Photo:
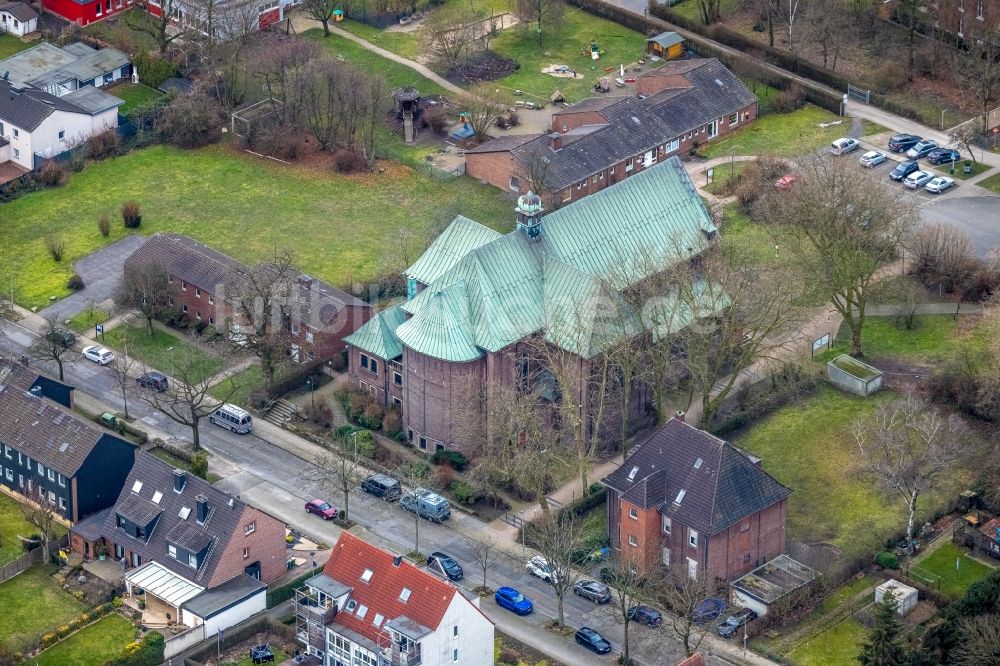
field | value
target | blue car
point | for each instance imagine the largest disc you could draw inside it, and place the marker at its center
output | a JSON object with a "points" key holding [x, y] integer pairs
{"points": [[708, 610], [943, 156], [514, 601]]}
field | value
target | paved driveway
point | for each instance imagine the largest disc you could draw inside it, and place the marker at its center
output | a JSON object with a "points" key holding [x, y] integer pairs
{"points": [[102, 274], [977, 216]]}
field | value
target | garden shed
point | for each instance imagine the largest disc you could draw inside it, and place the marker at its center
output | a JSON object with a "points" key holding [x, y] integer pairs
{"points": [[851, 375], [905, 595], [666, 45], [770, 583]]}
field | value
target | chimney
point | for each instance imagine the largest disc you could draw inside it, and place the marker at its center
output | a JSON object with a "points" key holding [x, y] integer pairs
{"points": [[201, 502], [679, 415], [180, 480], [396, 561], [555, 141]]}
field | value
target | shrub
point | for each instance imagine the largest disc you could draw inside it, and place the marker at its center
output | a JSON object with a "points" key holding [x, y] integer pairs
{"points": [[147, 651], [455, 459], [443, 476], [435, 119], [365, 443], [508, 656], [78, 595], [349, 161], [790, 99], [283, 142], [464, 493], [131, 215], [392, 422], [52, 174], [153, 71], [84, 618], [199, 464], [48, 639], [104, 145], [889, 76], [63, 630], [191, 121], [104, 225], [56, 247], [887, 560], [75, 282]]}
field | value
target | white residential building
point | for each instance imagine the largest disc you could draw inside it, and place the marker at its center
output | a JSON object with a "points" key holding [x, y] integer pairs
{"points": [[17, 18]]}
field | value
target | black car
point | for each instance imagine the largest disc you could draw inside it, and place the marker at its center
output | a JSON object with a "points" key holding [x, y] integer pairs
{"points": [[900, 143], [646, 615], [728, 628], [382, 485], [592, 640], [445, 565], [591, 589], [153, 380], [943, 156], [61, 336], [904, 169]]}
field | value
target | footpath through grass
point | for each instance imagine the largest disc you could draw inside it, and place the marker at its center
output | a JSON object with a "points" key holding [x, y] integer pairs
{"points": [[337, 226], [162, 350], [939, 570], [781, 134], [92, 646], [34, 604]]}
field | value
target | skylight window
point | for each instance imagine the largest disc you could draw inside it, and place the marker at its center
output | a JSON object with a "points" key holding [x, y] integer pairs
{"points": [[157, 496], [362, 611], [697, 463], [137, 486], [184, 512], [680, 496], [636, 120], [63, 447], [378, 620], [631, 475], [367, 575], [719, 82], [404, 595]]}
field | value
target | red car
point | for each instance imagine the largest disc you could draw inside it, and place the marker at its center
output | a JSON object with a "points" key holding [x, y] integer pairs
{"points": [[785, 182], [322, 509]]}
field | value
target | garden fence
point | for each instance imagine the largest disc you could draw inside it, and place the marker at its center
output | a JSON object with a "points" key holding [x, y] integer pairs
{"points": [[30, 559]]}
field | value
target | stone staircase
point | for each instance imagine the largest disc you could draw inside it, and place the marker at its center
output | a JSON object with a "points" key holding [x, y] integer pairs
{"points": [[280, 412]]}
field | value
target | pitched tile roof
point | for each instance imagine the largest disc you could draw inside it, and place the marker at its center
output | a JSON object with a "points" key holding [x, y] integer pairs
{"points": [[19, 10], [428, 600], [697, 478], [28, 108], [506, 142]]}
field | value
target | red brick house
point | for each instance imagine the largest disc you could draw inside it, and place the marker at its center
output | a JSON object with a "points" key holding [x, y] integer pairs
{"points": [[687, 498], [602, 140], [319, 316]]}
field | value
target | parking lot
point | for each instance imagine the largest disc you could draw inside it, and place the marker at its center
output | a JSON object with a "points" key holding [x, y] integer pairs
{"points": [[921, 195]]}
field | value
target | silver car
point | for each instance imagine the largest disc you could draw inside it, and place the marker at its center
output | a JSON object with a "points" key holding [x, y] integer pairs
{"points": [[844, 146], [98, 354], [872, 158], [939, 184], [917, 179]]}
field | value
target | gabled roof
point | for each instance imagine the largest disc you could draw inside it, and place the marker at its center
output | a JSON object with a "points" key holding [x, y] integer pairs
{"points": [[19, 10], [699, 479], [457, 240], [503, 143], [443, 329], [28, 108], [425, 605], [378, 335], [666, 39]]}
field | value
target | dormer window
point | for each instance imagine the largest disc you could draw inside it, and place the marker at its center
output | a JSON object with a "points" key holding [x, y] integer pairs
{"points": [[193, 561], [367, 575], [172, 551], [698, 463], [404, 595]]}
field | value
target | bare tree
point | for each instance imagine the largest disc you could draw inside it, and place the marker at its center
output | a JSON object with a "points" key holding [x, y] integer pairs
{"points": [[710, 11], [978, 72], [536, 170], [980, 641], [908, 447], [146, 288], [158, 23], [543, 15], [483, 555], [40, 513], [851, 226], [559, 538], [827, 29], [629, 587], [450, 40], [964, 138], [681, 593], [336, 472], [790, 16], [942, 254], [483, 105], [124, 368], [51, 346], [412, 476], [322, 11]]}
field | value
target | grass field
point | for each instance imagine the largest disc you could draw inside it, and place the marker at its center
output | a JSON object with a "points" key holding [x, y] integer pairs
{"points": [[782, 135], [977, 168], [337, 225], [939, 567], [237, 387], [9, 45], [33, 603], [118, 32], [992, 183], [407, 44], [12, 524], [85, 320], [837, 646], [91, 646], [161, 350], [933, 339], [134, 94]]}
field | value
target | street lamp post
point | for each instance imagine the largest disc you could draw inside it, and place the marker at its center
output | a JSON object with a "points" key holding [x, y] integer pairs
{"points": [[312, 393]]}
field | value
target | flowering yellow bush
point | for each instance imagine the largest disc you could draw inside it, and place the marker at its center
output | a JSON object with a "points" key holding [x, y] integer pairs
{"points": [[84, 618], [63, 630], [48, 639], [132, 648]]}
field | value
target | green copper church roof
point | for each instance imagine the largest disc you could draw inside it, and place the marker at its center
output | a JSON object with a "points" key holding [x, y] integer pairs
{"points": [[378, 335], [461, 236], [442, 330]]}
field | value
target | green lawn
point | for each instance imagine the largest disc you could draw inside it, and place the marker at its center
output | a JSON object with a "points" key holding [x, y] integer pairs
{"points": [[12, 524], [91, 646], [396, 74], [238, 386], [86, 320], [757, 241], [933, 339], [977, 168], [179, 463], [846, 592], [837, 646], [134, 94], [992, 183], [9, 45], [869, 128], [407, 44], [723, 174], [160, 350], [336, 225], [940, 565], [781, 134], [33, 604], [117, 31]]}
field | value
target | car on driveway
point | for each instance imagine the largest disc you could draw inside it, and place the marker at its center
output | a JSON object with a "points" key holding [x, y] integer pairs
{"points": [[61, 336], [943, 156], [903, 170], [939, 184], [900, 143], [98, 354], [844, 146], [646, 615], [921, 149], [708, 609], [918, 179], [872, 158], [592, 640], [154, 380], [729, 626], [539, 566], [785, 182], [322, 509], [445, 564], [599, 593], [514, 601]]}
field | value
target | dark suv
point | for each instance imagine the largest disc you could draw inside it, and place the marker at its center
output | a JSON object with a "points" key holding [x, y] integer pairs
{"points": [[592, 640], [446, 565], [61, 336], [154, 380], [900, 143], [903, 170], [382, 485]]}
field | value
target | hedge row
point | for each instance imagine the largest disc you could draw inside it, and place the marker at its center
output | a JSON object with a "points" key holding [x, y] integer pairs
{"points": [[147, 651], [282, 593]]}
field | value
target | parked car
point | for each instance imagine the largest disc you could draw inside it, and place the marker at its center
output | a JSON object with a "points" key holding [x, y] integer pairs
{"points": [[539, 566], [785, 182], [708, 609], [646, 615], [98, 354], [152, 380], [921, 149], [943, 156], [939, 184], [427, 505], [918, 179], [382, 485], [900, 143], [844, 146], [514, 601], [872, 158], [599, 593], [445, 565], [322, 509], [903, 170], [728, 627], [62, 337], [592, 640]]}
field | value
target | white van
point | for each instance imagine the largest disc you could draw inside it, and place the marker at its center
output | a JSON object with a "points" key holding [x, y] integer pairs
{"points": [[232, 418]]}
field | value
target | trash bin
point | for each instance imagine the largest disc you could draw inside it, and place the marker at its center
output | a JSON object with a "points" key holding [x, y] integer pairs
{"points": [[109, 420]]}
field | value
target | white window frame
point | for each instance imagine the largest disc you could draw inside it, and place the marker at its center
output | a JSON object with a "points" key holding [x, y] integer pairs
{"points": [[632, 541], [673, 146], [629, 164], [692, 538], [172, 551], [667, 524], [633, 513], [665, 556], [250, 528]]}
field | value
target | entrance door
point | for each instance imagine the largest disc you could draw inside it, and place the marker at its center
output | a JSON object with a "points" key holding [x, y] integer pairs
{"points": [[692, 568], [713, 129], [253, 570]]}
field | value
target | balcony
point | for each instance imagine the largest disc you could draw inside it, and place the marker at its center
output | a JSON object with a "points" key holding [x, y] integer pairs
{"points": [[311, 619]]}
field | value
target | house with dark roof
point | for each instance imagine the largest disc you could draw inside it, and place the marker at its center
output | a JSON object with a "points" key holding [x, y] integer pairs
{"points": [[17, 18], [48, 454], [688, 499], [600, 141], [479, 302], [317, 315], [371, 606]]}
